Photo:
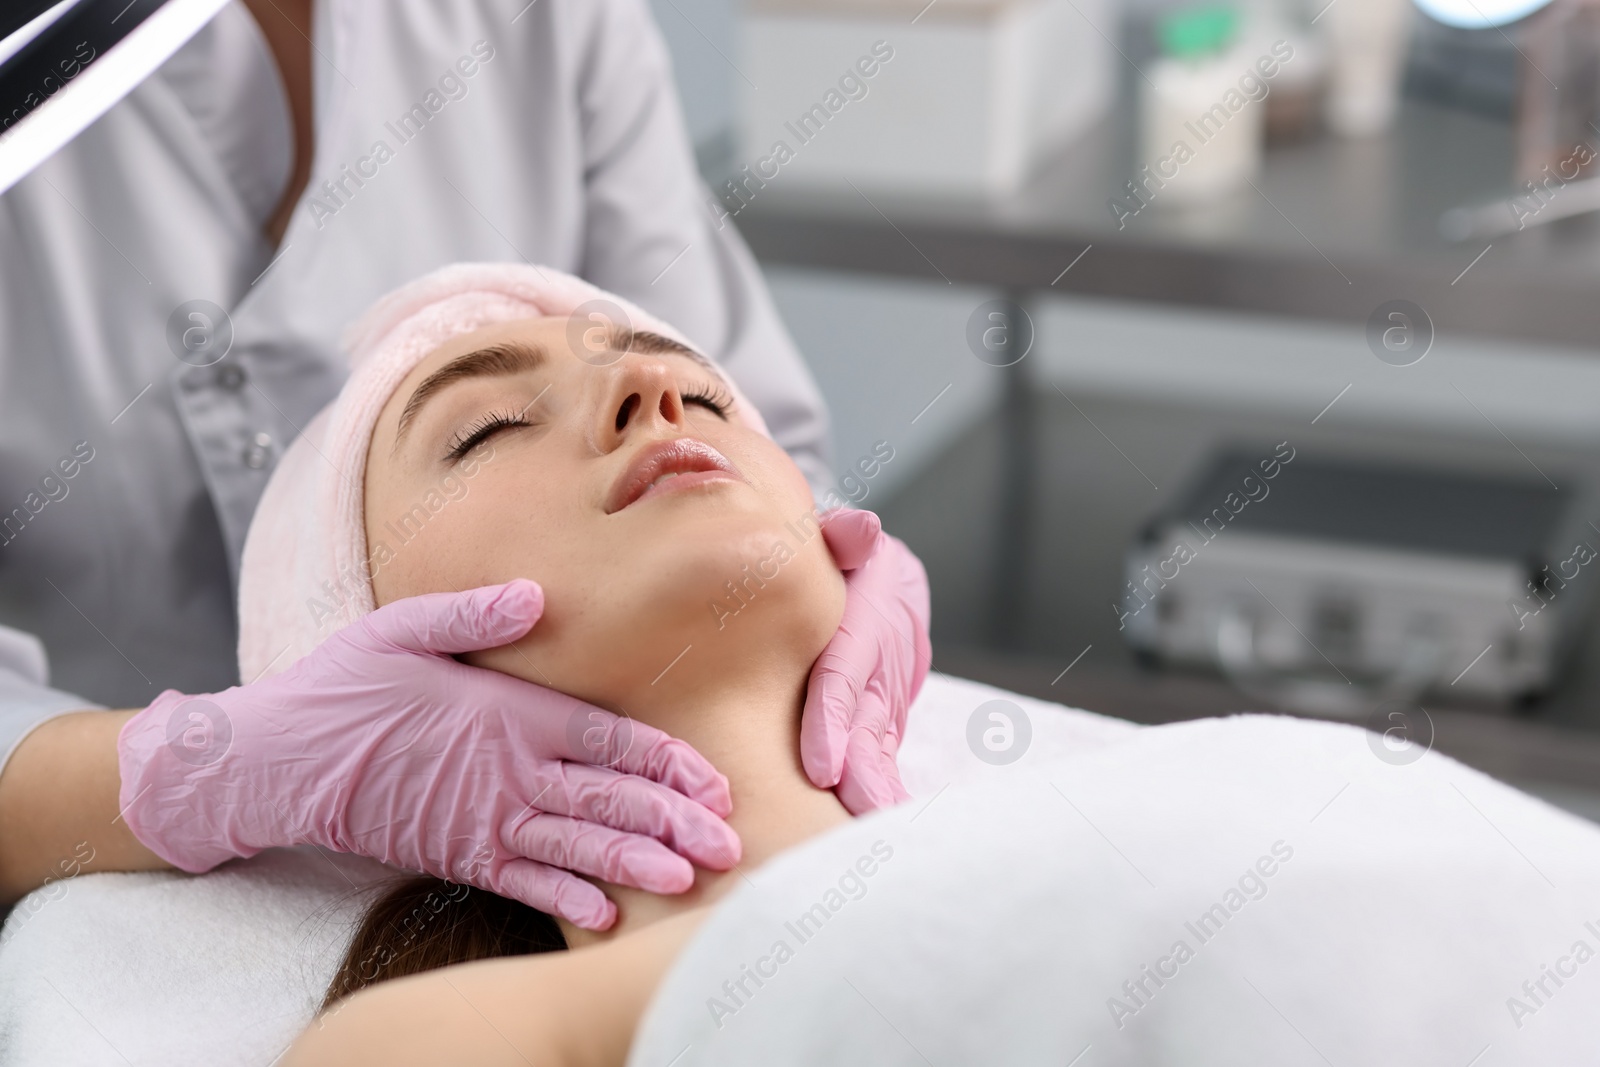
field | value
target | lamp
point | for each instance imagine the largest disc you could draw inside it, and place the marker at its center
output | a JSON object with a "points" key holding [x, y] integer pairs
{"points": [[64, 64], [1478, 14]]}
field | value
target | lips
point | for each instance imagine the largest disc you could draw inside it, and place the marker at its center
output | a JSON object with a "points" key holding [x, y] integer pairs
{"points": [[669, 466]]}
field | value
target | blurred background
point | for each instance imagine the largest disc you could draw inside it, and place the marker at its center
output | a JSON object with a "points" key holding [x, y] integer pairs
{"points": [[1309, 289]]}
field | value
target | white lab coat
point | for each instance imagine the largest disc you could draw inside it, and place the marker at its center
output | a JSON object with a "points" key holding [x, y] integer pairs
{"points": [[563, 145]]}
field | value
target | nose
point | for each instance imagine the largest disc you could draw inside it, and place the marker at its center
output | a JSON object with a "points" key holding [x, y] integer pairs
{"points": [[641, 394]]}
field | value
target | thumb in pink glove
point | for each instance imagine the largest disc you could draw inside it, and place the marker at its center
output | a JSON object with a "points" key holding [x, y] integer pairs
{"points": [[379, 743], [865, 680]]}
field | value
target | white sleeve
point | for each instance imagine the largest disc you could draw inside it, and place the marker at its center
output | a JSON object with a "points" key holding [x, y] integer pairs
{"points": [[652, 236], [26, 699]]}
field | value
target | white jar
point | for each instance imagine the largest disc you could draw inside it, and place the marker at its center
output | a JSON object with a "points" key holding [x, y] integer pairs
{"points": [[1202, 126]]}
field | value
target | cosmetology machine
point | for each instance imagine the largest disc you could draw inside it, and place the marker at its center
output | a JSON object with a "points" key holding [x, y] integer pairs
{"points": [[1328, 585]]}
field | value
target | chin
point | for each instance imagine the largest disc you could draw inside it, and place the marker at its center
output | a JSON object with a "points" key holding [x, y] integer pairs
{"points": [[699, 554], [734, 574], [612, 650]]}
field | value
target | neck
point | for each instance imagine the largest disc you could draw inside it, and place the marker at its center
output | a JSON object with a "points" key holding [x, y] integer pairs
{"points": [[286, 24], [751, 733]]}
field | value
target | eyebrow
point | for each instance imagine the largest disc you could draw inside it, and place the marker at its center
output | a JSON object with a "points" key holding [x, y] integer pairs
{"points": [[500, 360], [646, 343], [514, 357]]}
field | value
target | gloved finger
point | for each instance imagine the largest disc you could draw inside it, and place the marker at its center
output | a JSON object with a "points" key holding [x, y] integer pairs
{"points": [[891, 743], [603, 853], [631, 747], [852, 536], [824, 722], [555, 892], [446, 624], [910, 589], [871, 780], [833, 699], [636, 805]]}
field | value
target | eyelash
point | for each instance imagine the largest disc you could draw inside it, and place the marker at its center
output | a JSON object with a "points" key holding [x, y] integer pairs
{"points": [[480, 432], [716, 399]]}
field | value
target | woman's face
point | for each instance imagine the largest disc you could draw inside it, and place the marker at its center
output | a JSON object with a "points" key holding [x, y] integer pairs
{"points": [[624, 483]]}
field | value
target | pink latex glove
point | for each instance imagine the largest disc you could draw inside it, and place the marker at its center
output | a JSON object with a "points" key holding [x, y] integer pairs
{"points": [[379, 743], [871, 671]]}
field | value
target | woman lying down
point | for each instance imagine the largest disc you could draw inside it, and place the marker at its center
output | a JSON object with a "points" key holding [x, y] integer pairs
{"points": [[687, 587], [1228, 891]]}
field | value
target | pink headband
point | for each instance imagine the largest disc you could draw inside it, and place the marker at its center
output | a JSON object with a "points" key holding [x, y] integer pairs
{"points": [[305, 571]]}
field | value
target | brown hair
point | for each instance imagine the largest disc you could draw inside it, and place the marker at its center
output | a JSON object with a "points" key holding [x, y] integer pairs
{"points": [[424, 923]]}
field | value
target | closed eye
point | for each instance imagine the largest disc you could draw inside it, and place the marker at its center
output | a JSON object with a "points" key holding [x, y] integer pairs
{"points": [[713, 398], [481, 431]]}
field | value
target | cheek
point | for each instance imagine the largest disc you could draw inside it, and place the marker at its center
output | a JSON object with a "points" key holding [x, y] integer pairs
{"points": [[825, 588], [812, 577], [501, 528], [770, 470]]}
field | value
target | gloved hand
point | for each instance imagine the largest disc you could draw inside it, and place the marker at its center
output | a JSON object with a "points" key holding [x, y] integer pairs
{"points": [[379, 743], [871, 671]]}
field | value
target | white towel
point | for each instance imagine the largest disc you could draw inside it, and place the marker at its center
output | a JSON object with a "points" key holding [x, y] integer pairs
{"points": [[226, 968], [167, 968], [1254, 890]]}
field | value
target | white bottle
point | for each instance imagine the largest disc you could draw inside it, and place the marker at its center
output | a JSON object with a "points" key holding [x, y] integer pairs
{"points": [[1367, 44]]}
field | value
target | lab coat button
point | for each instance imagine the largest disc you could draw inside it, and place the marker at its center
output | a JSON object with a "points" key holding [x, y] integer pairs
{"points": [[258, 452]]}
